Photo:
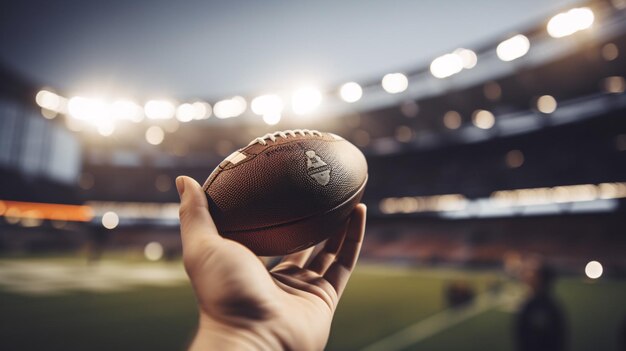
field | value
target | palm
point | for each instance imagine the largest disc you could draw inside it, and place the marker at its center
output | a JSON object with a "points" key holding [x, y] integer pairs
{"points": [[298, 296]]}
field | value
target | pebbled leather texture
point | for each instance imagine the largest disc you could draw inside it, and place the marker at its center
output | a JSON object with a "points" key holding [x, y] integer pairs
{"points": [[287, 195]]}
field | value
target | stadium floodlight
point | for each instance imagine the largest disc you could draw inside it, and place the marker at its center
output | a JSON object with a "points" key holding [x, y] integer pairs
{"points": [[229, 108], [269, 104], [202, 110], [305, 100], [446, 65], [105, 127], [48, 100], [395, 83], [185, 112], [87, 109], [513, 48], [126, 110], [570, 22], [351, 92], [159, 109], [467, 56], [271, 118]]}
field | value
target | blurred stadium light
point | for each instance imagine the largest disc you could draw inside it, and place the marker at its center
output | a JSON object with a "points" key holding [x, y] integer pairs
{"points": [[395, 83], [570, 22], [593, 269], [229, 108], [351, 92], [305, 100], [513, 48]]}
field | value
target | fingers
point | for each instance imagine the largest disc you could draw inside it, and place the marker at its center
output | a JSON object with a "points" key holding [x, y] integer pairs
{"points": [[326, 256], [297, 259], [339, 272], [196, 224]]}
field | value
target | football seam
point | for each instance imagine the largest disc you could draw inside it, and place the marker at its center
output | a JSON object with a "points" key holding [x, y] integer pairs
{"points": [[356, 193]]}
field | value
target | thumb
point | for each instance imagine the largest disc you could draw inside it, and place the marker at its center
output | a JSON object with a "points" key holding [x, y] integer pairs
{"points": [[196, 224]]}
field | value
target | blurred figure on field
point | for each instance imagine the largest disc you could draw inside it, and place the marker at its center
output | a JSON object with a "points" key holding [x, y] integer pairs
{"points": [[459, 293], [540, 323]]}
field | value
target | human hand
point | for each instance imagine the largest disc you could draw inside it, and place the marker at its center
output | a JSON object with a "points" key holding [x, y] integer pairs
{"points": [[241, 304]]}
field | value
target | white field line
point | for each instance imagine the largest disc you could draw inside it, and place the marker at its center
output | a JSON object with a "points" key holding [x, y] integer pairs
{"points": [[436, 323], [54, 278]]}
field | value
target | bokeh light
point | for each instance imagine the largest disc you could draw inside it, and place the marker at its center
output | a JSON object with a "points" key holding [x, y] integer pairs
{"points": [[305, 100], [153, 251], [609, 52], [395, 83], [594, 269], [483, 119], [48, 100], [514, 159], [351, 92], [546, 104], [409, 108], [446, 65], [570, 22], [229, 108], [513, 48], [110, 220], [269, 104], [159, 109], [48, 114], [403, 134], [12, 215], [87, 109], [202, 110], [155, 135], [163, 183], [105, 127], [127, 110], [467, 56], [452, 120], [492, 91], [185, 112], [271, 118], [614, 84]]}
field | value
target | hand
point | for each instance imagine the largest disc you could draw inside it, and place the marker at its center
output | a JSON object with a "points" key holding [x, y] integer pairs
{"points": [[241, 304]]}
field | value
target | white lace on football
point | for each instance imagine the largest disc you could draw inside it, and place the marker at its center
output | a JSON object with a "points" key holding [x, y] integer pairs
{"points": [[284, 134]]}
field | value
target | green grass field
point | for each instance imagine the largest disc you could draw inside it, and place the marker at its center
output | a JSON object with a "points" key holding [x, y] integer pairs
{"points": [[378, 302]]}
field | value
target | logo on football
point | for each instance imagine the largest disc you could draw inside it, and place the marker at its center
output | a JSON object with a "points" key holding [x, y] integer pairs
{"points": [[316, 168]]}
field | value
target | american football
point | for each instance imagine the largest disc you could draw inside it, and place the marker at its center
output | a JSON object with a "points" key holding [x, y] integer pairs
{"points": [[286, 191]]}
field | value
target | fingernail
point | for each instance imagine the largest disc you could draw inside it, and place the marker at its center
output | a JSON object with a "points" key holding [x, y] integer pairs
{"points": [[180, 185]]}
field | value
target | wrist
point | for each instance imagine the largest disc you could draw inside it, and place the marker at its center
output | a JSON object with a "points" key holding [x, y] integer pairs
{"points": [[213, 335]]}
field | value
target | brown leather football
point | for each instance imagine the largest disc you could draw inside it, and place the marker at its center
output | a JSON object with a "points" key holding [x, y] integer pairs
{"points": [[286, 191]]}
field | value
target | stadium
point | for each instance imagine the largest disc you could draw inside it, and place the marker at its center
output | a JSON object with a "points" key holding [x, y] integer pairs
{"points": [[494, 133]]}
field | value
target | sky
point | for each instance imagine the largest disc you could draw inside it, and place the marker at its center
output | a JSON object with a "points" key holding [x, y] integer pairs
{"points": [[210, 49]]}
